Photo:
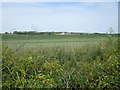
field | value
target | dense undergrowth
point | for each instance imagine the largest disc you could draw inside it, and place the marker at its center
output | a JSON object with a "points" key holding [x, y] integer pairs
{"points": [[60, 67]]}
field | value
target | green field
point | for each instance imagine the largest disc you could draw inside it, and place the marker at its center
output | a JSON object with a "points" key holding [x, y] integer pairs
{"points": [[43, 41], [60, 61]]}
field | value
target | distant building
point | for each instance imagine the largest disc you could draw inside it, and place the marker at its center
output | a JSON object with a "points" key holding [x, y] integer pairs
{"points": [[23, 30], [62, 33]]}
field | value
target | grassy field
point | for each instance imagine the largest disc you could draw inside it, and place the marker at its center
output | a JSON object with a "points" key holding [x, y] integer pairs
{"points": [[42, 41], [60, 61]]}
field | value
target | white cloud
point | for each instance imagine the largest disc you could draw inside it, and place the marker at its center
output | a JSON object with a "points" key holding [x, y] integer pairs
{"points": [[62, 18]]}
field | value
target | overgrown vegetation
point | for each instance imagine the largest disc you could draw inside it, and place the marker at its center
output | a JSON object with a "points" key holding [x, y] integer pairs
{"points": [[95, 66]]}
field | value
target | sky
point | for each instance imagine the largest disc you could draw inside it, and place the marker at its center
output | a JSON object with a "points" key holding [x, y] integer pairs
{"points": [[59, 0], [89, 17]]}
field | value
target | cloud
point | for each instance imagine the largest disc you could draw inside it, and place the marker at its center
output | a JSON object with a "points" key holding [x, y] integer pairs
{"points": [[79, 17]]}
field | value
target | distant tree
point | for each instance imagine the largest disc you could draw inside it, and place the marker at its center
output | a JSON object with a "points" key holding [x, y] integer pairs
{"points": [[110, 30], [6, 33], [15, 32]]}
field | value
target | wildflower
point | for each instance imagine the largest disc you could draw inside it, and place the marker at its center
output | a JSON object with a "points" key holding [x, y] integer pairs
{"points": [[30, 57]]}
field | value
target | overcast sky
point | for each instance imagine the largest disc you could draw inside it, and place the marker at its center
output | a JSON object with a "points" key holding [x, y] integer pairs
{"points": [[60, 16]]}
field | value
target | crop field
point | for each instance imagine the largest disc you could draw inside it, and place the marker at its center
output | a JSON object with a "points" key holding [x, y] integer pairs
{"points": [[60, 61], [42, 41]]}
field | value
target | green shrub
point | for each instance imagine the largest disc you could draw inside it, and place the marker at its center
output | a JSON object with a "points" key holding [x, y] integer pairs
{"points": [[88, 67]]}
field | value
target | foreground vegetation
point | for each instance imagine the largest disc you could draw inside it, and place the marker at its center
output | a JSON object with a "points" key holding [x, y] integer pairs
{"points": [[93, 66]]}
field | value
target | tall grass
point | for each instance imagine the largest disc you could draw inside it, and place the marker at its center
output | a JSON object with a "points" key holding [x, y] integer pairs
{"points": [[91, 66]]}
